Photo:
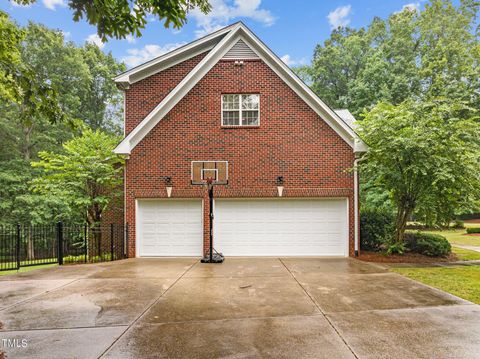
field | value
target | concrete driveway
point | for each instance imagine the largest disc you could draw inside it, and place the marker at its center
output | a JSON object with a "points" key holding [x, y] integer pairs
{"points": [[243, 308]]}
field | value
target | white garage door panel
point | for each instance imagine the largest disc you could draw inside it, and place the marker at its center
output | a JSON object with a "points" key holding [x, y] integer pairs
{"points": [[281, 227], [169, 228]]}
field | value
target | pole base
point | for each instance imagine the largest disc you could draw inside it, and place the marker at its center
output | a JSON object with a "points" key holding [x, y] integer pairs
{"points": [[216, 258]]}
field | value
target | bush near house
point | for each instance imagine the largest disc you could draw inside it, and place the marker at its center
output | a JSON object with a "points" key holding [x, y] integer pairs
{"points": [[432, 245], [376, 228], [472, 230]]}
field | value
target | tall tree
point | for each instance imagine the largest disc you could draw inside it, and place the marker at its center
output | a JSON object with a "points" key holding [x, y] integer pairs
{"points": [[54, 80], [411, 55], [422, 153], [102, 103], [118, 18]]}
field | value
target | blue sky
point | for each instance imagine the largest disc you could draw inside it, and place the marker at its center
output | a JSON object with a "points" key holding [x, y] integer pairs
{"points": [[290, 29]]}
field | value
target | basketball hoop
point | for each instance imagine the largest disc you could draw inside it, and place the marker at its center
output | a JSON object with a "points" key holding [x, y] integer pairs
{"points": [[208, 183]]}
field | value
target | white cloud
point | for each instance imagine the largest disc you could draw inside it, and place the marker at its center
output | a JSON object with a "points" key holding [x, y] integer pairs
{"points": [[66, 34], [95, 39], [130, 39], [222, 13], [340, 16], [292, 62], [51, 4], [414, 6], [136, 57]]}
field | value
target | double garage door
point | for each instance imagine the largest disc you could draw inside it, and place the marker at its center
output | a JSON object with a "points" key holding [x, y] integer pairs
{"points": [[260, 227]]}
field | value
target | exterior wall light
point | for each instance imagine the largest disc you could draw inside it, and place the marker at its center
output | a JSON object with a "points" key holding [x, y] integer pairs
{"points": [[168, 185], [280, 186]]}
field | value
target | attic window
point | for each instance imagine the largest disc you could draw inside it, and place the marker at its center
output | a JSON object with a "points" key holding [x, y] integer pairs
{"points": [[241, 110]]}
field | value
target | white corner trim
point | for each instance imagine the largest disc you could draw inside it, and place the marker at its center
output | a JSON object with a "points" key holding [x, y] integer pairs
{"points": [[236, 32]]}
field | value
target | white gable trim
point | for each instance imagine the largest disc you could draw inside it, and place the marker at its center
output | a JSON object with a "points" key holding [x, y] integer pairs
{"points": [[236, 32], [171, 58], [149, 122]]}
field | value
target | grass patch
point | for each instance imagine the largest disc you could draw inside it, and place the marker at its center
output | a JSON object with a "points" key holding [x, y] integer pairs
{"points": [[457, 236], [464, 282], [26, 269], [466, 254]]}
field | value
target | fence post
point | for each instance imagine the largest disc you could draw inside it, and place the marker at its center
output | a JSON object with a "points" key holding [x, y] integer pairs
{"points": [[60, 242], [126, 241], [111, 241], [18, 245], [85, 242]]}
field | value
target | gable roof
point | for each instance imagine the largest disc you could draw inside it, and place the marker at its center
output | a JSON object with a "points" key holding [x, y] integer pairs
{"points": [[224, 40]]}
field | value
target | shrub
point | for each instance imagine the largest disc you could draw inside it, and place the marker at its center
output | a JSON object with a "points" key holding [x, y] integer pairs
{"points": [[395, 248], [458, 224], [376, 227], [473, 230], [432, 245]]}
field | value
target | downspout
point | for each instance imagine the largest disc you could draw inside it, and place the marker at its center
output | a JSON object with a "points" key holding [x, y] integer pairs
{"points": [[356, 204]]}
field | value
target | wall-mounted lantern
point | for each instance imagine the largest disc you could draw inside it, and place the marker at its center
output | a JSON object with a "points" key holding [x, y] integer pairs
{"points": [[280, 187], [168, 185]]}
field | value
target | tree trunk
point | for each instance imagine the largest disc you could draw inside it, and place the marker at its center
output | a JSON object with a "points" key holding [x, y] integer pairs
{"points": [[404, 211], [27, 142], [30, 246]]}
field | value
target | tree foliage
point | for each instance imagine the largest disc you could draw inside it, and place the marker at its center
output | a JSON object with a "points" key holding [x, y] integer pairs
{"points": [[117, 18], [85, 177], [423, 154], [55, 88], [411, 54]]}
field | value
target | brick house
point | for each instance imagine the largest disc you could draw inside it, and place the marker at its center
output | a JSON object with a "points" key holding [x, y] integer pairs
{"points": [[226, 107]]}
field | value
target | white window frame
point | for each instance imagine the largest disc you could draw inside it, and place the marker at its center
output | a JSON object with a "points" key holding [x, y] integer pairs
{"points": [[240, 110]]}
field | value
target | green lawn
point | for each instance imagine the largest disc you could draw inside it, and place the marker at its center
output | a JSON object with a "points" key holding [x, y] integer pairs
{"points": [[457, 236], [466, 254], [27, 269], [463, 282]]}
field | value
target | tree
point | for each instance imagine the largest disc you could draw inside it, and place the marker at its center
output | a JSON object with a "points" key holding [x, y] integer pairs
{"points": [[80, 81], [11, 37], [411, 55], [423, 153], [101, 105], [119, 18], [86, 176]]}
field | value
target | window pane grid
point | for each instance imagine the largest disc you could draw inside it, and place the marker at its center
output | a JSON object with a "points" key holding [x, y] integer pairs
{"points": [[241, 110]]}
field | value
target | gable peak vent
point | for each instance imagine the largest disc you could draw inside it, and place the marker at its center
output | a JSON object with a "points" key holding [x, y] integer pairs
{"points": [[240, 51]]}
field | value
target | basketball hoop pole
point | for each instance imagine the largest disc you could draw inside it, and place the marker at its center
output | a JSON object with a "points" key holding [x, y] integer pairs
{"points": [[217, 258]]}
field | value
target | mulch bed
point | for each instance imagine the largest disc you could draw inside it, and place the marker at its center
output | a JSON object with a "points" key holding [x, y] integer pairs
{"points": [[471, 234], [406, 258], [475, 220]]}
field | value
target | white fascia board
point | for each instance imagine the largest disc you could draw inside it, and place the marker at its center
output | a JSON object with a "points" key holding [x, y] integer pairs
{"points": [[172, 58], [305, 93], [183, 87]]}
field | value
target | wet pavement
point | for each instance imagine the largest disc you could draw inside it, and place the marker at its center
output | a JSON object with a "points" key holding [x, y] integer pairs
{"points": [[243, 308]]}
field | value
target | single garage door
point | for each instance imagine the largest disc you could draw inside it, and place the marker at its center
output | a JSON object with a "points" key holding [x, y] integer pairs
{"points": [[281, 227], [169, 228]]}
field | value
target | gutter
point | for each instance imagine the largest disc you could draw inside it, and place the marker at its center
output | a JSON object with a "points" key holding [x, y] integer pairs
{"points": [[356, 203]]}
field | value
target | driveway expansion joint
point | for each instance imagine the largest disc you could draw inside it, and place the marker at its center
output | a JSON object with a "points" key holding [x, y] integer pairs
{"points": [[321, 311], [146, 309], [39, 294]]}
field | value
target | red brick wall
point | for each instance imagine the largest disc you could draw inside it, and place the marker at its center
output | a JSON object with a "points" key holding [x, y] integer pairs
{"points": [[292, 141], [143, 96]]}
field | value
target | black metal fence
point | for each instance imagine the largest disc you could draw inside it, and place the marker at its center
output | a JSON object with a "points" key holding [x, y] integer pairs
{"points": [[22, 246]]}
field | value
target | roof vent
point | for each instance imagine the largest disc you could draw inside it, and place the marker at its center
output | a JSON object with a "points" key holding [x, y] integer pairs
{"points": [[240, 51]]}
